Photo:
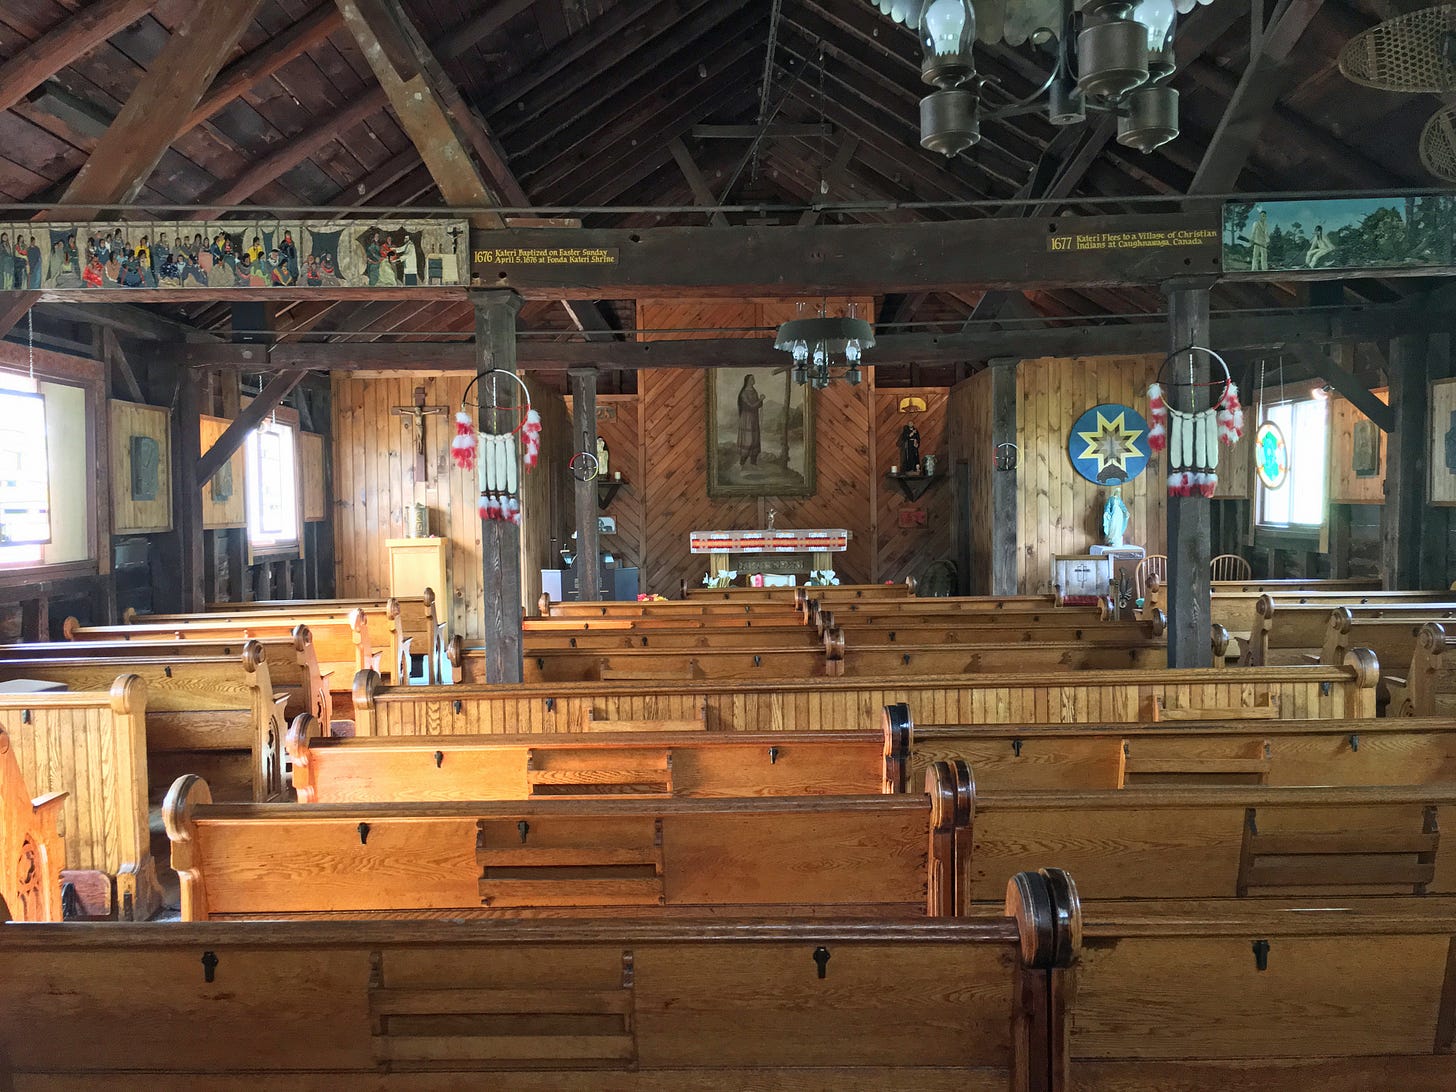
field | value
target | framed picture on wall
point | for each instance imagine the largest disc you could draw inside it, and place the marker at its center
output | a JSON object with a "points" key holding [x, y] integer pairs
{"points": [[760, 434]]}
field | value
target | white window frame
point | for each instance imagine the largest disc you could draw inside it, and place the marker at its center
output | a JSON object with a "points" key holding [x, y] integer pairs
{"points": [[262, 543], [1305, 471]]}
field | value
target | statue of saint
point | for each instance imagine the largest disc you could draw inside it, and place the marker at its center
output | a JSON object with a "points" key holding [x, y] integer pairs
{"points": [[909, 450], [1114, 518], [602, 458]]}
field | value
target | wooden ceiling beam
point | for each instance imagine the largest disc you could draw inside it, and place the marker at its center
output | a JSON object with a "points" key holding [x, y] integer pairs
{"points": [[252, 415], [247, 72], [696, 182], [1069, 339], [175, 82], [13, 308], [65, 44], [1265, 79]]}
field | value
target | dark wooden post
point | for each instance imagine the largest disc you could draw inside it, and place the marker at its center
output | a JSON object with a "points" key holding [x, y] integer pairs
{"points": [[1407, 452], [1004, 515], [495, 347], [1190, 531], [584, 434], [1339, 541], [187, 489]]}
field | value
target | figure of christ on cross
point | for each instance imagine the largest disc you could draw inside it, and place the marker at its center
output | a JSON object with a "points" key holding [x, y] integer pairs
{"points": [[417, 414]]}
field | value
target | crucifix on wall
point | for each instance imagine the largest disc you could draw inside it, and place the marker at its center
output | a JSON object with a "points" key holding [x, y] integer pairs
{"points": [[416, 414]]}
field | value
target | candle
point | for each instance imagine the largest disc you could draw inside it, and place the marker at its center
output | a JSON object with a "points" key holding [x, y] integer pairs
{"points": [[894, 470], [617, 475]]}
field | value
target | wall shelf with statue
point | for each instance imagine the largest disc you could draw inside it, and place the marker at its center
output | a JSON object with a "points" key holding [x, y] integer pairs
{"points": [[914, 486], [607, 491]]}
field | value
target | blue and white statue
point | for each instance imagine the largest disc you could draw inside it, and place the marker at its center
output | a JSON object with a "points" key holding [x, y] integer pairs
{"points": [[1115, 518]]}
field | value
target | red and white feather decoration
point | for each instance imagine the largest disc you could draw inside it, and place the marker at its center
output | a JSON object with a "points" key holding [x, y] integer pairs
{"points": [[1192, 439]]}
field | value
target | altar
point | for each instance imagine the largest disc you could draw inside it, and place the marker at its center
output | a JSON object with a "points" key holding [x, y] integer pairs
{"points": [[770, 552]]}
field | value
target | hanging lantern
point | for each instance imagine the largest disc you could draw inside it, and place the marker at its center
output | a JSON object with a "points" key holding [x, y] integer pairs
{"points": [[950, 116]]}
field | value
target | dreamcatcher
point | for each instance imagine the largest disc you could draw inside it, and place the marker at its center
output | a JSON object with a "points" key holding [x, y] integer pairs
{"points": [[1189, 422], [492, 450]]}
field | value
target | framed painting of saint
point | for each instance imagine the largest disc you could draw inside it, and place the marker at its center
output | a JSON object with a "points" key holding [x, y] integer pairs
{"points": [[760, 434]]}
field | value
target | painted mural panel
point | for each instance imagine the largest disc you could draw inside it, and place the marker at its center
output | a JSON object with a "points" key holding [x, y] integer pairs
{"points": [[1359, 233], [267, 253]]}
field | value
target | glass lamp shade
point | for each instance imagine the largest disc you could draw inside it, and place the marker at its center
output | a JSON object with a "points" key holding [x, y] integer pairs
{"points": [[1158, 17], [948, 35]]}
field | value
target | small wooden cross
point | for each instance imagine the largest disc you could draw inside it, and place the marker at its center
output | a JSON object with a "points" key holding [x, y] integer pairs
{"points": [[417, 414]]}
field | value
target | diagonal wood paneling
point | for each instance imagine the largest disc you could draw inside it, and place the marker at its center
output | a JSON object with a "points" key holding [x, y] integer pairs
{"points": [[906, 552]]}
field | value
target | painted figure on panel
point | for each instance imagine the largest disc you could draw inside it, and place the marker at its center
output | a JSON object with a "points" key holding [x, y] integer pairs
{"points": [[760, 435]]}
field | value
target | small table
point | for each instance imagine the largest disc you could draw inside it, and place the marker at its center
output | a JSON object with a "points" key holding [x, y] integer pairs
{"points": [[769, 551]]}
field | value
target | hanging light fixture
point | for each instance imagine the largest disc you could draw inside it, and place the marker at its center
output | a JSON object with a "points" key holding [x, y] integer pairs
{"points": [[824, 346], [1113, 56]]}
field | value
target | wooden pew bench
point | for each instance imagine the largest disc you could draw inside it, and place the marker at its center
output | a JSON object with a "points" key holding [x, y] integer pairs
{"points": [[292, 663], [1289, 632], [32, 855], [799, 592], [1000, 631], [346, 639], [92, 747], [862, 856], [1276, 753], [559, 640], [217, 715], [1219, 842], [1267, 995], [784, 612], [1312, 692], [1236, 598], [588, 764], [547, 1006], [1429, 688], [416, 619], [925, 612]]}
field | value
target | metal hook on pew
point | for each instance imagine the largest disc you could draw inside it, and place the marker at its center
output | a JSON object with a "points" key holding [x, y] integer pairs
{"points": [[439, 759], [821, 957], [1261, 955], [1016, 747], [1354, 741], [209, 966], [459, 705], [363, 829], [523, 828], [550, 705], [773, 755]]}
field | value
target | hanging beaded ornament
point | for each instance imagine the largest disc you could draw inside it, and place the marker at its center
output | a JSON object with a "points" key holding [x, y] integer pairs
{"points": [[1189, 422], [492, 451]]}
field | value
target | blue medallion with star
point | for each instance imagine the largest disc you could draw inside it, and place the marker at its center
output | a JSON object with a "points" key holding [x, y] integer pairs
{"points": [[1109, 444]]}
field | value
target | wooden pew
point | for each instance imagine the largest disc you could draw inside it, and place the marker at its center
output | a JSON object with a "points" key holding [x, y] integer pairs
{"points": [[32, 854], [1289, 631], [347, 640], [91, 746], [1219, 842], [1429, 689], [562, 640], [292, 663], [1267, 995], [676, 608], [416, 619], [550, 1006], [217, 714], [862, 856], [1238, 612], [1312, 692], [1156, 597], [442, 768], [1004, 632], [1275, 753], [929, 612]]}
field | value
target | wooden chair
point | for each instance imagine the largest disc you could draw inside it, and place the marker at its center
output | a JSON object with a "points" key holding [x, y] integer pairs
{"points": [[1230, 567], [1152, 567]]}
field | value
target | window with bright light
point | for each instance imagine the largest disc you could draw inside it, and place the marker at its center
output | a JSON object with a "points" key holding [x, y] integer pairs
{"points": [[25, 517], [272, 482], [1300, 501]]}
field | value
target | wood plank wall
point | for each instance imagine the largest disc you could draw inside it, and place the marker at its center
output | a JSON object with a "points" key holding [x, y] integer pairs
{"points": [[1345, 487], [1061, 511], [619, 425], [968, 442], [668, 495], [374, 485], [908, 551]]}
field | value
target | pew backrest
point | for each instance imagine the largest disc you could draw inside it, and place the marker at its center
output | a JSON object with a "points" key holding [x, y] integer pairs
{"points": [[1432, 675], [1312, 692], [583, 765], [91, 746], [568, 1006], [32, 854], [893, 855], [1285, 624]]}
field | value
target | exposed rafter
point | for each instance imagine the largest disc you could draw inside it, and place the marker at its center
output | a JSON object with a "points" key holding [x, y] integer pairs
{"points": [[68, 42]]}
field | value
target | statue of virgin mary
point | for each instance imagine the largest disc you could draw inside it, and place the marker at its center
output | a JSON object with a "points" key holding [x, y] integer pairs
{"points": [[1114, 518]]}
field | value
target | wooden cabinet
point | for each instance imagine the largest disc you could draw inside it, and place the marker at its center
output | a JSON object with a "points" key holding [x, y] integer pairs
{"points": [[416, 564]]}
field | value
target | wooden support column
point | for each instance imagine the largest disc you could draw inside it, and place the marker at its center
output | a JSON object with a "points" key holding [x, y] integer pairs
{"points": [[1339, 541], [1435, 522], [1407, 451], [584, 434], [1189, 518], [1004, 514], [495, 347], [187, 489]]}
